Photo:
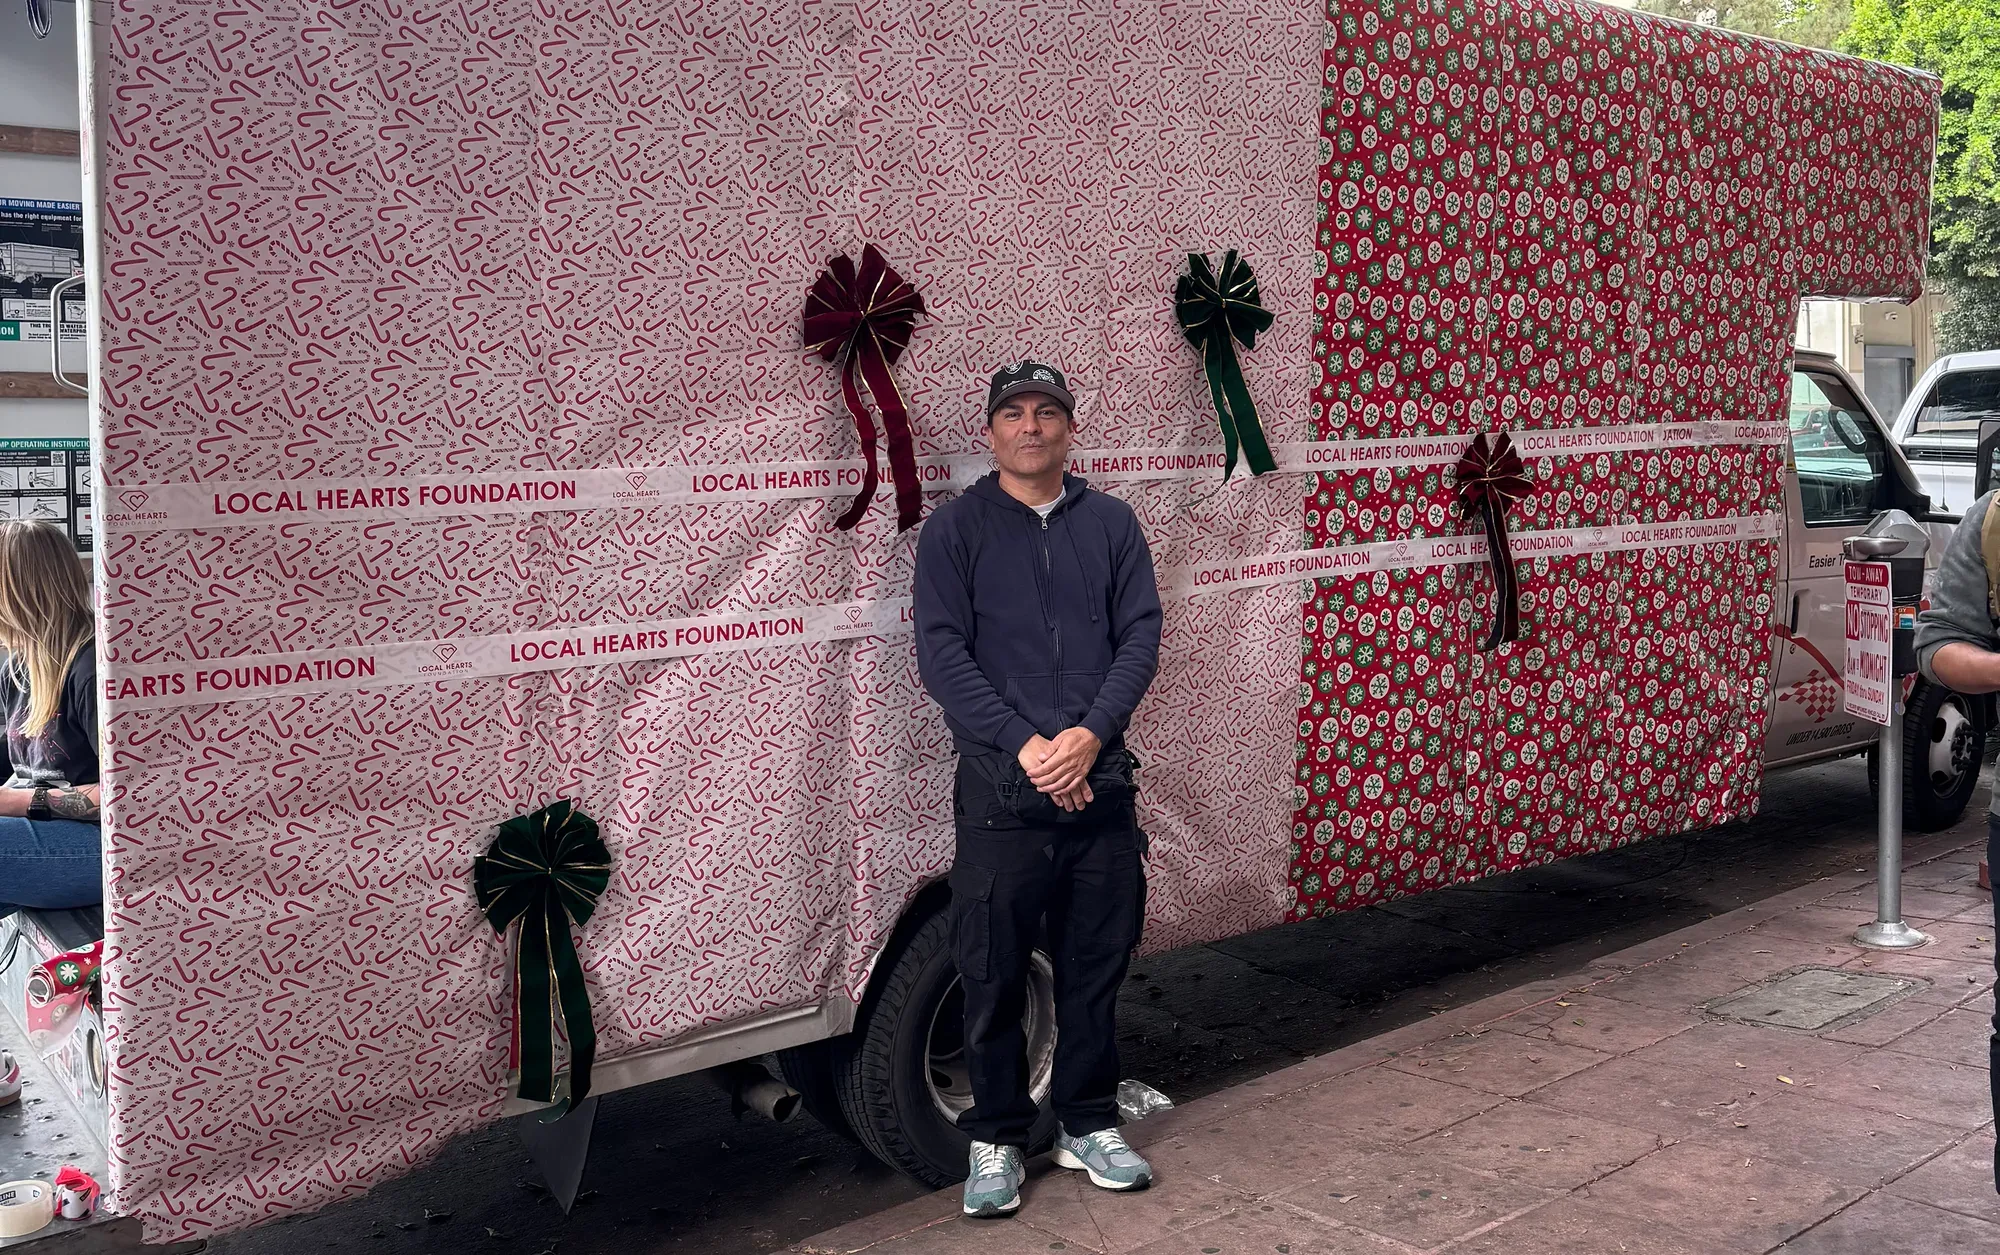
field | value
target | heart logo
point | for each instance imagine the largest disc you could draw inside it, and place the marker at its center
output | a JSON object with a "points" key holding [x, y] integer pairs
{"points": [[444, 652], [637, 479], [133, 499], [853, 615]]}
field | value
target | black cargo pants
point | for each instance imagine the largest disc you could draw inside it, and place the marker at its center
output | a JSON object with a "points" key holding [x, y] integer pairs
{"points": [[1019, 863]]}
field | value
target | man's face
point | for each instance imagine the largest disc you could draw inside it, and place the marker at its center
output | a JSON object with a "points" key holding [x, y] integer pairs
{"points": [[1030, 434]]}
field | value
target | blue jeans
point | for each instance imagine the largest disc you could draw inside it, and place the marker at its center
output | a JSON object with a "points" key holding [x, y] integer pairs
{"points": [[50, 864]]}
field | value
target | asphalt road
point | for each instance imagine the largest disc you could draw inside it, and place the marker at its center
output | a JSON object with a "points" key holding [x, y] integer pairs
{"points": [[670, 1170]]}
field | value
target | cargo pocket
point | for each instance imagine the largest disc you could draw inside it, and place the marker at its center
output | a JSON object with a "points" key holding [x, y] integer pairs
{"points": [[971, 920], [1106, 919]]}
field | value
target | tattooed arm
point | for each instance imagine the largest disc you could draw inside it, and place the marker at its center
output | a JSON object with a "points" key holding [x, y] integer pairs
{"points": [[80, 804]]}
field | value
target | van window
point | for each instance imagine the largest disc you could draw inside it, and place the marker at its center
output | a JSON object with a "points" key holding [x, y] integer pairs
{"points": [[1956, 403], [1837, 450]]}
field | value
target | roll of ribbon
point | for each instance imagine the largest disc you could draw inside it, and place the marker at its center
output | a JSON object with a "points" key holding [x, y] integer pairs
{"points": [[76, 1193], [25, 1207]]}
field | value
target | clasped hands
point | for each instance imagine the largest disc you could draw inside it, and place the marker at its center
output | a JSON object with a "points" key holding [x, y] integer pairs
{"points": [[1060, 767]]}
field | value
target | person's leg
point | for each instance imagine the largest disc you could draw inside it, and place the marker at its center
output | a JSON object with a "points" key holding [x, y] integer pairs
{"points": [[49, 864], [1094, 920], [1993, 1043], [999, 882]]}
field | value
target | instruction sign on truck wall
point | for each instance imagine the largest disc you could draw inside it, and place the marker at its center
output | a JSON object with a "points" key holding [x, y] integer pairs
{"points": [[41, 244], [49, 481], [1871, 621]]}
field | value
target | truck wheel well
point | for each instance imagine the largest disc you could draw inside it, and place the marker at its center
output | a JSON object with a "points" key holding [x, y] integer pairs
{"points": [[933, 897]]}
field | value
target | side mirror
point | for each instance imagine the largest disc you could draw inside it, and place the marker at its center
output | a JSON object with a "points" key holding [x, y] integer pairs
{"points": [[1989, 448]]}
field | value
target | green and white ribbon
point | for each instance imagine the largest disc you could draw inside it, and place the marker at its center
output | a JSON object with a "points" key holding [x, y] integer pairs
{"points": [[1216, 312], [546, 870]]}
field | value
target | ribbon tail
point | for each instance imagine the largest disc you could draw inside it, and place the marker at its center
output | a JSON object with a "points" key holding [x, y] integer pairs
{"points": [[896, 422], [537, 1029], [1506, 586], [1256, 450], [573, 996], [1215, 362], [864, 427]]}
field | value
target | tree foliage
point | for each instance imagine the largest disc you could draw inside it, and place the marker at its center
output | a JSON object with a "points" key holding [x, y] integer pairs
{"points": [[1959, 41], [1971, 318], [1814, 23]]}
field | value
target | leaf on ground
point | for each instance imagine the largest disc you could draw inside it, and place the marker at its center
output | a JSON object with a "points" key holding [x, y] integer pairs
{"points": [[1786, 1079]]}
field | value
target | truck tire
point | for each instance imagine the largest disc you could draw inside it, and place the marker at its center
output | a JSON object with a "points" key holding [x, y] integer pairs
{"points": [[1944, 743], [904, 1081]]}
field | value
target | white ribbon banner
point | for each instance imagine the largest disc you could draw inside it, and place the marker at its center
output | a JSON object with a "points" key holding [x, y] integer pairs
{"points": [[153, 685], [138, 508]]}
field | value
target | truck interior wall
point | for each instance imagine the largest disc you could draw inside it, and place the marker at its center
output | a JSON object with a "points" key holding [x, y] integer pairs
{"points": [[40, 75], [355, 250]]}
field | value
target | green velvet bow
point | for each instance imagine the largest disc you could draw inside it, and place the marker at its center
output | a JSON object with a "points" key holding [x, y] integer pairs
{"points": [[1214, 313], [546, 869]]}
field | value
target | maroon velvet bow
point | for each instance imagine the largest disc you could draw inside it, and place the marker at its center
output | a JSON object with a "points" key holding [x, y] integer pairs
{"points": [[863, 319], [1491, 478]]}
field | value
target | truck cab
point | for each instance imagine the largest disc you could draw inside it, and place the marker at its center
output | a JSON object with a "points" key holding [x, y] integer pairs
{"points": [[1842, 469]]}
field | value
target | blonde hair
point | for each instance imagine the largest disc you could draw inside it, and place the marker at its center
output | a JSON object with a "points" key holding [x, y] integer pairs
{"points": [[45, 614]]}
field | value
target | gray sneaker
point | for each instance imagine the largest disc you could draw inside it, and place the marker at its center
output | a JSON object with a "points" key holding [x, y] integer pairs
{"points": [[1111, 1163], [993, 1186]]}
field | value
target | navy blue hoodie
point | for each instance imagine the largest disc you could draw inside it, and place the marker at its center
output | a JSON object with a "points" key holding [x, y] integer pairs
{"points": [[1026, 626]]}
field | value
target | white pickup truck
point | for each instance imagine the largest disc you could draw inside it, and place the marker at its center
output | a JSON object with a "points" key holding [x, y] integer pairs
{"points": [[1940, 427]]}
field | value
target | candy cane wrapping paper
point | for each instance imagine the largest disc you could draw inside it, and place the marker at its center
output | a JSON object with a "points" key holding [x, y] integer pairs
{"points": [[509, 242]]}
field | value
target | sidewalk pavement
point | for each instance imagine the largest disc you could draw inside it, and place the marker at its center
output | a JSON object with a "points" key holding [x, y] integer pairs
{"points": [[1608, 1112]]}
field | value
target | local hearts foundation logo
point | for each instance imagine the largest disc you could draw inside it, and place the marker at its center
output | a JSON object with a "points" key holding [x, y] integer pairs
{"points": [[133, 499], [637, 479], [444, 653]]}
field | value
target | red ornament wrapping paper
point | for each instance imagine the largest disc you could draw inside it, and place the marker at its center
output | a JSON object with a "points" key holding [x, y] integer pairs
{"points": [[1562, 215], [370, 281]]}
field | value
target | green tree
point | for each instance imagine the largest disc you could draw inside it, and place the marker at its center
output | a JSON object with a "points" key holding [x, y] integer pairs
{"points": [[1814, 23], [1959, 41]]}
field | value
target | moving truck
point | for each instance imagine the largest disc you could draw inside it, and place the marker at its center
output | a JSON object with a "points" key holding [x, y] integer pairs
{"points": [[459, 449]]}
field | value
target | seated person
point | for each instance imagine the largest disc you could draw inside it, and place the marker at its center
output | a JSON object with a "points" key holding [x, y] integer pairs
{"points": [[49, 838]]}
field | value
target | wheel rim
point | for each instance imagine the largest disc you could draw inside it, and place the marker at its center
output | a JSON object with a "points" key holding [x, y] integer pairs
{"points": [[1951, 750], [945, 1069]]}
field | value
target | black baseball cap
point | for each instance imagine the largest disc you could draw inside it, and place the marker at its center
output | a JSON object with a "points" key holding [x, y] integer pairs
{"points": [[1028, 376]]}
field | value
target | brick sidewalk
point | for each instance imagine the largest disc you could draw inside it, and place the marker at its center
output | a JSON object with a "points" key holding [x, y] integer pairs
{"points": [[1604, 1113]]}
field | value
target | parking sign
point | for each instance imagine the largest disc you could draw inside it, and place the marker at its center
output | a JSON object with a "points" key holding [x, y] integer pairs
{"points": [[1867, 673]]}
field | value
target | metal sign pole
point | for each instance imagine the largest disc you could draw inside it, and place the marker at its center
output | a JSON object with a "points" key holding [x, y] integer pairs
{"points": [[1879, 620], [1889, 932]]}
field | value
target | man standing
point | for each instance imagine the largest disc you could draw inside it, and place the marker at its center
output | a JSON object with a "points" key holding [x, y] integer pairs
{"points": [[1038, 631], [1958, 646]]}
